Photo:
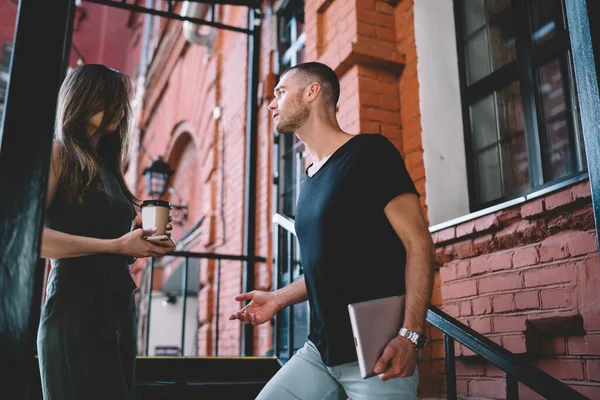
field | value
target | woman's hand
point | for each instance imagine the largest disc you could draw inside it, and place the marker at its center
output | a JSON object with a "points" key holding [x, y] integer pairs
{"points": [[134, 244]]}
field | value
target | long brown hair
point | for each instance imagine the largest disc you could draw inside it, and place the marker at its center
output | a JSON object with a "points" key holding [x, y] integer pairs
{"points": [[86, 91]]}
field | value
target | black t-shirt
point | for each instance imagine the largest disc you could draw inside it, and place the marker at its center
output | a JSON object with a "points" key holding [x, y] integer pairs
{"points": [[350, 252]]}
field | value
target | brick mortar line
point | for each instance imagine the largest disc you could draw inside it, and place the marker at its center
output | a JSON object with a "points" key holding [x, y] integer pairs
{"points": [[546, 215], [586, 382], [509, 291], [567, 260], [516, 313], [525, 245], [503, 292]]}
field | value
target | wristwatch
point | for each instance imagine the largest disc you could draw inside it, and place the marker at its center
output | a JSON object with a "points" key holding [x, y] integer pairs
{"points": [[418, 340]]}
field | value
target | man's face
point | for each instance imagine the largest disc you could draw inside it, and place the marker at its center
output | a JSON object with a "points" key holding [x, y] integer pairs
{"points": [[290, 111]]}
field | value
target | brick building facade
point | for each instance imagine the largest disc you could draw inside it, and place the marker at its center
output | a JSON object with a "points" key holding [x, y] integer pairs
{"points": [[523, 274], [178, 124], [100, 35], [519, 267], [526, 278]]}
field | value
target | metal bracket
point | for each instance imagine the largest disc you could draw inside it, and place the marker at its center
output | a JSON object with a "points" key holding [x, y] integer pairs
{"points": [[173, 15], [170, 6]]}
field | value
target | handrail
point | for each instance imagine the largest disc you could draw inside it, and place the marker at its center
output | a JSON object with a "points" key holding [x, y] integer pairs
{"points": [[529, 375], [215, 256], [515, 368], [186, 255], [285, 222], [288, 224]]}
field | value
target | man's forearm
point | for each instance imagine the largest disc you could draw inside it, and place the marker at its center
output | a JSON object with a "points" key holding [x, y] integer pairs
{"points": [[419, 285], [291, 294]]}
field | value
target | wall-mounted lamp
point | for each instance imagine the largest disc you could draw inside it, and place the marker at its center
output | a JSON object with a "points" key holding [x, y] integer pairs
{"points": [[157, 177]]}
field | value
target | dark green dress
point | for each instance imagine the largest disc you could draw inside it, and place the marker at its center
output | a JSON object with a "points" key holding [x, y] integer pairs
{"points": [[87, 337]]}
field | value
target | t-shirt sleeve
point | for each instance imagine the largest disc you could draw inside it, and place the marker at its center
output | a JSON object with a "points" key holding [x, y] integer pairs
{"points": [[388, 175]]}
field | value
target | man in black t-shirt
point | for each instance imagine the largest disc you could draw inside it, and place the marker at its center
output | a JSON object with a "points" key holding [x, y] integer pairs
{"points": [[362, 236]]}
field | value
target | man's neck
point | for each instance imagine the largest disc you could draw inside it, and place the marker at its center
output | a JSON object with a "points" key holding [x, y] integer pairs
{"points": [[321, 140]]}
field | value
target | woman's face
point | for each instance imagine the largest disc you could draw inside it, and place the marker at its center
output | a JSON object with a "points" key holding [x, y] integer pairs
{"points": [[96, 119]]}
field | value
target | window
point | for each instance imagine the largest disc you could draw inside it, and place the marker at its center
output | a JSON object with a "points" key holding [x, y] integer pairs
{"points": [[289, 175], [291, 34], [519, 100], [291, 39]]}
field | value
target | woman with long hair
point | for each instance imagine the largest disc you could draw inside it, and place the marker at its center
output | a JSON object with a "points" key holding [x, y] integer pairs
{"points": [[86, 338]]}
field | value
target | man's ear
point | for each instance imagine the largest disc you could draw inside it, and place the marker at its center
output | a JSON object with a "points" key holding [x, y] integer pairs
{"points": [[312, 91]]}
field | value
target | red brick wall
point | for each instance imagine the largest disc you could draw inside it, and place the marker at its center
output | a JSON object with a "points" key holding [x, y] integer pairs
{"points": [[499, 274], [184, 158], [370, 44], [364, 49], [104, 35], [263, 338], [509, 275], [233, 86], [409, 135], [527, 278], [186, 83], [107, 35], [366, 42]]}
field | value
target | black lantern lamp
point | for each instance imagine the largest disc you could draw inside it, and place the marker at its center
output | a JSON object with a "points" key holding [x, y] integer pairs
{"points": [[157, 177]]}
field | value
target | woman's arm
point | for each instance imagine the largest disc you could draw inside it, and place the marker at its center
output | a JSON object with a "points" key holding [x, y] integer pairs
{"points": [[62, 245], [57, 244]]}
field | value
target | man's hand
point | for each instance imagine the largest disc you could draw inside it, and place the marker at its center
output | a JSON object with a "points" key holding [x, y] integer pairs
{"points": [[262, 307], [398, 360]]}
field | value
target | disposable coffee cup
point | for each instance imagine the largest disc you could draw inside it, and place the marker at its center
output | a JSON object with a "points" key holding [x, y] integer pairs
{"points": [[155, 213]]}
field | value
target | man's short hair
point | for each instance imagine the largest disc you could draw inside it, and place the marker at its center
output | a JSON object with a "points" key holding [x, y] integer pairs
{"points": [[317, 72]]}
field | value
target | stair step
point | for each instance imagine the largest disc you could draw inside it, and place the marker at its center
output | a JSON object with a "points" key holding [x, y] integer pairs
{"points": [[194, 378], [205, 369], [198, 391], [197, 378]]}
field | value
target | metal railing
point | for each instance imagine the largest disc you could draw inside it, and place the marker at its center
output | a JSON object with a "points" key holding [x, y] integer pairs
{"points": [[516, 369], [286, 258], [146, 291]]}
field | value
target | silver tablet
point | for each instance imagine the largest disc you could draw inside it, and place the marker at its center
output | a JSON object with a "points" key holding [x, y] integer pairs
{"points": [[374, 324]]}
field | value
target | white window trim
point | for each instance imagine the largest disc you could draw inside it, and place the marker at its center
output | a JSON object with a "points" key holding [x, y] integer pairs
{"points": [[508, 204]]}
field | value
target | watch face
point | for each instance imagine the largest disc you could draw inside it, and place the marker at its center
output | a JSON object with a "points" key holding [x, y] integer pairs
{"points": [[421, 341]]}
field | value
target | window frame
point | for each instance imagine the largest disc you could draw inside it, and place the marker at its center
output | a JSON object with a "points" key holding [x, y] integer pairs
{"points": [[289, 173], [523, 70], [289, 57]]}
